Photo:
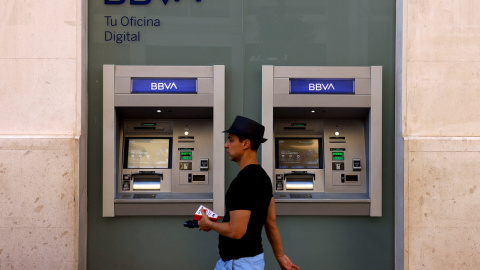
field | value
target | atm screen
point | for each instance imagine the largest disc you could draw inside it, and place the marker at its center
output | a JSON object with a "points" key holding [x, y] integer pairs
{"points": [[298, 153], [147, 153]]}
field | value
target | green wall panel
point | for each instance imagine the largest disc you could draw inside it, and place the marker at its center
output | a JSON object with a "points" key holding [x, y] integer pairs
{"points": [[243, 36]]}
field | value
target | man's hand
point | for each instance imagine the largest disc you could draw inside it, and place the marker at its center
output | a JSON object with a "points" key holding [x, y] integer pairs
{"points": [[204, 223], [285, 263]]}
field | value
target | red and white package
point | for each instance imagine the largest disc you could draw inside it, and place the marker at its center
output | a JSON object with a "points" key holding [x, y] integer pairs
{"points": [[210, 214]]}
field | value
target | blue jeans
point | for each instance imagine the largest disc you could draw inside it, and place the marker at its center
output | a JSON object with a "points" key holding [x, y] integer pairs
{"points": [[246, 263]]}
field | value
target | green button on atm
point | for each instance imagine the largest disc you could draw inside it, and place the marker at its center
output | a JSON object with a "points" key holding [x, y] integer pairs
{"points": [[337, 156], [185, 155]]}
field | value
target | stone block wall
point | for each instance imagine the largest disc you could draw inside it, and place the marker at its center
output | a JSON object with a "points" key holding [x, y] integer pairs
{"points": [[441, 128], [42, 134]]}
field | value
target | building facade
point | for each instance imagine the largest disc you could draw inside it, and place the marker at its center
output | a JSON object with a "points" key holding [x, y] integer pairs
{"points": [[50, 126]]}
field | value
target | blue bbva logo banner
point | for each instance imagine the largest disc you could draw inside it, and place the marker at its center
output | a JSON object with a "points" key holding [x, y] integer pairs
{"points": [[164, 86], [136, 2], [322, 86]]}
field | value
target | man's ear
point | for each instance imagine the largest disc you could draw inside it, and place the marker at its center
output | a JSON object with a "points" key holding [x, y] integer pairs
{"points": [[247, 143]]}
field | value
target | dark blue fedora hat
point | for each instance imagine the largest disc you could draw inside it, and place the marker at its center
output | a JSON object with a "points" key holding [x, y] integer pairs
{"points": [[247, 128]]}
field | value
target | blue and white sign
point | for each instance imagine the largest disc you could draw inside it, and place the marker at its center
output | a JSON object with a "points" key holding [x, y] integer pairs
{"points": [[164, 86], [322, 86]]}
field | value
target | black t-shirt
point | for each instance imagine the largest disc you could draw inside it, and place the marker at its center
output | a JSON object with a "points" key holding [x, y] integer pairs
{"points": [[250, 190]]}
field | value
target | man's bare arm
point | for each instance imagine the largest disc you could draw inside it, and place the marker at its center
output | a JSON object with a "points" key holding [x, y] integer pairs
{"points": [[235, 228], [273, 235]]}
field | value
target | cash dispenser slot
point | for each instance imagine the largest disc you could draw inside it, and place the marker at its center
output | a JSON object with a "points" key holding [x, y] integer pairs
{"points": [[143, 128], [299, 181], [147, 181], [147, 127], [294, 128]]}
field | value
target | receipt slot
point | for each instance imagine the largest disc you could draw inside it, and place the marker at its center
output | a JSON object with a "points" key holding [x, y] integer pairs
{"points": [[162, 139], [326, 125]]}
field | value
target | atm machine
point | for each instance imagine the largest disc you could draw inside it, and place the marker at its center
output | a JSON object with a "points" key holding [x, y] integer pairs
{"points": [[325, 152], [162, 139]]}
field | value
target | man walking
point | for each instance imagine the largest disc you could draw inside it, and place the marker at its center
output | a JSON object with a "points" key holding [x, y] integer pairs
{"points": [[250, 205]]}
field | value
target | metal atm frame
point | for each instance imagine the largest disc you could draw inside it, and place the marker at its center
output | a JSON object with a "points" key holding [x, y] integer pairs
{"points": [[124, 109], [358, 112]]}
